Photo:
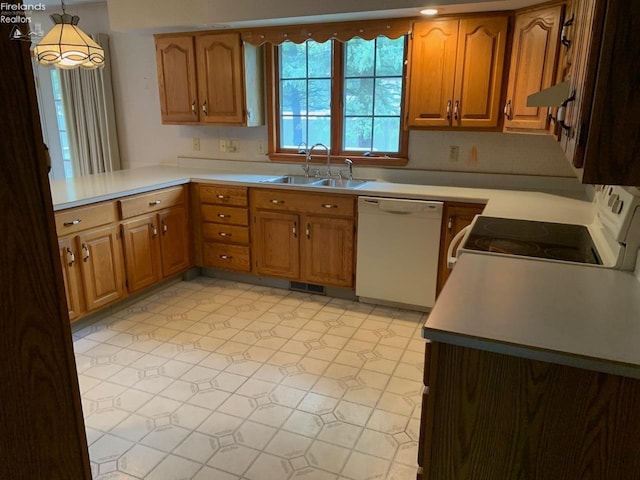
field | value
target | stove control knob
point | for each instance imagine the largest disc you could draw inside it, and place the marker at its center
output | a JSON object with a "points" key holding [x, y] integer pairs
{"points": [[617, 206], [613, 199]]}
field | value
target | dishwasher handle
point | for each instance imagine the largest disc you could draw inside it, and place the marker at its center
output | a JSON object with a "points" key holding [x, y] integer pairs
{"points": [[451, 256]]}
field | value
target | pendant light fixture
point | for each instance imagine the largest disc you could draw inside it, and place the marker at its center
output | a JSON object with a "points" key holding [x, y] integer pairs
{"points": [[67, 46]]}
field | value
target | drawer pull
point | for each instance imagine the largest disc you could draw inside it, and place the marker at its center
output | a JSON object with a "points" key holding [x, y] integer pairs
{"points": [[222, 215], [85, 249], [164, 227], [295, 229], [193, 108], [72, 222], [154, 231], [308, 231], [155, 202], [276, 201], [224, 234], [328, 205], [222, 197], [226, 257], [71, 257]]}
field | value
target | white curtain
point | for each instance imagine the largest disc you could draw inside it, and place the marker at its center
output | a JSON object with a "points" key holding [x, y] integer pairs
{"points": [[91, 125]]}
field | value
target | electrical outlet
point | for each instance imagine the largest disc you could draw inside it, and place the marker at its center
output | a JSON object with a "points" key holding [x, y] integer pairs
{"points": [[260, 148], [453, 153], [232, 146], [196, 144], [222, 145]]}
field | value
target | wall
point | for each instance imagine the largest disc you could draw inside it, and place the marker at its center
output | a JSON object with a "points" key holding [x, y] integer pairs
{"points": [[145, 141]]}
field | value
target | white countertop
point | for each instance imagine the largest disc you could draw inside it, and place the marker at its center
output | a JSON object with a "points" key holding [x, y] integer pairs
{"points": [[499, 203], [576, 315]]}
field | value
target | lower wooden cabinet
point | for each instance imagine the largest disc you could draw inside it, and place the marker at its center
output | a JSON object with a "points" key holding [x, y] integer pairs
{"points": [[71, 277], [304, 236], [156, 246], [455, 217], [496, 416]]}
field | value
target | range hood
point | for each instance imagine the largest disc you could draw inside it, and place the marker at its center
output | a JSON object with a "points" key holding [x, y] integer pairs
{"points": [[550, 97]]}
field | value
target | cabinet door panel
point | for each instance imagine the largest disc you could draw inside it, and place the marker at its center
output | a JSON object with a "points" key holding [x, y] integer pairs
{"points": [[71, 276], [175, 59], [327, 256], [141, 252], [432, 73], [275, 244], [220, 83], [479, 70], [101, 265], [533, 66], [174, 240]]}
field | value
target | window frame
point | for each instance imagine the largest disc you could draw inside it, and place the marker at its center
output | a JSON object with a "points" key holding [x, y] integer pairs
{"points": [[337, 114]]}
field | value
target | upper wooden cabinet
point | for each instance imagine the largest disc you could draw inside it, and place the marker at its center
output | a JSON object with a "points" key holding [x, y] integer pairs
{"points": [[209, 78], [456, 71], [533, 67]]}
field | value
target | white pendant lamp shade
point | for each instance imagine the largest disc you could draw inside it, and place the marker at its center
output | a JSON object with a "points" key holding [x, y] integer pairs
{"points": [[67, 46]]}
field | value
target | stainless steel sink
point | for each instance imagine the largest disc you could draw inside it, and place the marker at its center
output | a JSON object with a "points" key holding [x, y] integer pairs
{"points": [[341, 183], [317, 182], [295, 180]]}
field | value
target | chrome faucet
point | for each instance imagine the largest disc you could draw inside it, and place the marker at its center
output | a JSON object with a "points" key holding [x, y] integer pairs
{"points": [[349, 164], [322, 145], [307, 157]]}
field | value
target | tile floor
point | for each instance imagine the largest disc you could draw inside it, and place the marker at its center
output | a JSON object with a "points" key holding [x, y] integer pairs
{"points": [[211, 379]]}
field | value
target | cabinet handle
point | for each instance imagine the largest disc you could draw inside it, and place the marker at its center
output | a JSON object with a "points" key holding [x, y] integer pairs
{"points": [[308, 231], [222, 197], [295, 229], [224, 234], [456, 109], [449, 110], [85, 249], [193, 108], [72, 222], [165, 229], [155, 202], [563, 35], [154, 231], [222, 215], [276, 201], [328, 205], [507, 109], [204, 108], [450, 223], [71, 257], [226, 257]]}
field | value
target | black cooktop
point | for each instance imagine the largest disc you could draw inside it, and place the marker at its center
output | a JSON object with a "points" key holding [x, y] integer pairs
{"points": [[546, 240]]}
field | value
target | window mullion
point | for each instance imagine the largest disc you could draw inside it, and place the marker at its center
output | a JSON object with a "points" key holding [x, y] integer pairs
{"points": [[337, 98]]}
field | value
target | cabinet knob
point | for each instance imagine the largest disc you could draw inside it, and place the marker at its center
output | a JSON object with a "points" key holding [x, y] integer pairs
{"points": [[204, 108], [72, 222], [328, 205], [277, 201], [449, 110], [456, 109], [226, 257], [155, 202], [507, 110], [222, 215], [308, 231], [86, 255], [164, 227], [193, 109], [295, 229], [222, 197], [224, 234], [71, 258], [154, 231]]}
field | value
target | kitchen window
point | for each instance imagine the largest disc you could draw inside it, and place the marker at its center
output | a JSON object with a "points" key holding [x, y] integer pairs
{"points": [[345, 91]]}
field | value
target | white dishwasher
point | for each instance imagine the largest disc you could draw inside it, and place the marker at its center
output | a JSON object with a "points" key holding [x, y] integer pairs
{"points": [[398, 248]]}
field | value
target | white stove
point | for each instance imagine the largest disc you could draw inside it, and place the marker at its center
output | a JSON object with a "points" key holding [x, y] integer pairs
{"points": [[612, 240]]}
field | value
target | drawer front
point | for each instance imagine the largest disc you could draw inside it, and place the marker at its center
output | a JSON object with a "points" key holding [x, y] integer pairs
{"points": [[335, 205], [81, 218], [217, 232], [227, 215], [223, 195], [226, 257], [151, 202]]}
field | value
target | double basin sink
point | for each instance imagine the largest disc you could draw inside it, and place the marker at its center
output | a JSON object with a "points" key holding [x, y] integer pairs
{"points": [[317, 182]]}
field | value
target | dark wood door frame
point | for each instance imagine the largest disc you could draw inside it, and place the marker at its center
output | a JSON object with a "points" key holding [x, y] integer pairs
{"points": [[42, 429]]}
